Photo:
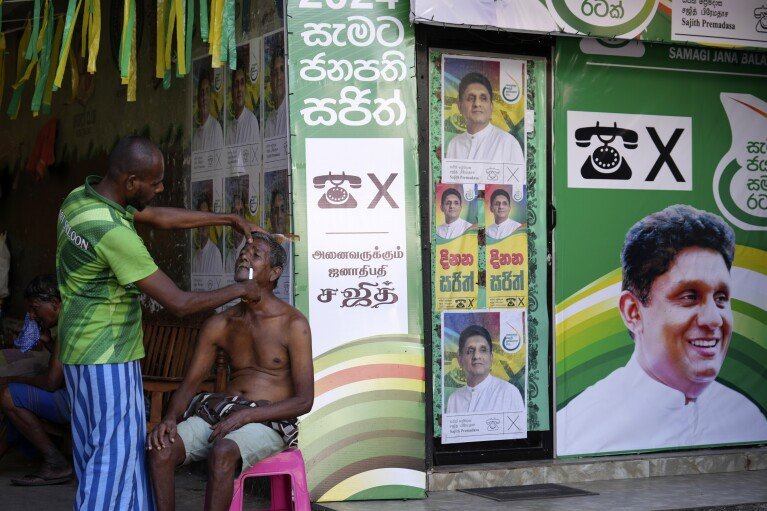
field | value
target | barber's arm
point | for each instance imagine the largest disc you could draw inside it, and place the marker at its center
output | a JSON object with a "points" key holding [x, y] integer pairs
{"points": [[182, 303], [179, 218]]}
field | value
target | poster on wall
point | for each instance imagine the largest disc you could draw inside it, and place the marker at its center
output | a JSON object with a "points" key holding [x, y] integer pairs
{"points": [[275, 92], [276, 205], [207, 242], [242, 137], [506, 246], [353, 150], [207, 116], [456, 246], [483, 112], [484, 375], [660, 322]]}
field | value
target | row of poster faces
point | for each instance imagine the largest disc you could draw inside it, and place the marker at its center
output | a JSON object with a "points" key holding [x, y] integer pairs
{"points": [[460, 212], [240, 112], [215, 249]]}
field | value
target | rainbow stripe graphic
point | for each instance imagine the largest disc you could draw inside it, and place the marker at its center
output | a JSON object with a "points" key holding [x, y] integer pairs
{"points": [[364, 438]]}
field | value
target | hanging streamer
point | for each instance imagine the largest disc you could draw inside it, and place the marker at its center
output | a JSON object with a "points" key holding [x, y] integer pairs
{"points": [[43, 67], [230, 52], [160, 64], [32, 46], [204, 22], [45, 46], [1, 23], [180, 37], [169, 34], [66, 43], [132, 67], [216, 20], [48, 95], [94, 35], [189, 30], [126, 43]]}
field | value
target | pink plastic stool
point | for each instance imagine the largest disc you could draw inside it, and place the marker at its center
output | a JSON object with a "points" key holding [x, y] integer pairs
{"points": [[286, 471]]}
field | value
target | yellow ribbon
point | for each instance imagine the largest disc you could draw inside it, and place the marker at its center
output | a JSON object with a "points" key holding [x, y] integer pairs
{"points": [[75, 73], [132, 68], [180, 37], [216, 23], [94, 35], [159, 70], [57, 37], [66, 48]]}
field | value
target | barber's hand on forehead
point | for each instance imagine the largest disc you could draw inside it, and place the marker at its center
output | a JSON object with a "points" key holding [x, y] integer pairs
{"points": [[244, 227]]}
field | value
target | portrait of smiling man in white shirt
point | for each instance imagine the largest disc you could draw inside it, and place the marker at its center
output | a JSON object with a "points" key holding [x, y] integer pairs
{"points": [[483, 392], [482, 141], [675, 303]]}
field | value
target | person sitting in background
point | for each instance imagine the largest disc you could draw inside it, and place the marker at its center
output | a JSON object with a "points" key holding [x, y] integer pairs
{"points": [[25, 400]]}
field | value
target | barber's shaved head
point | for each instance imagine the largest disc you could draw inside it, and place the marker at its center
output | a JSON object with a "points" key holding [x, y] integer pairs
{"points": [[132, 155]]}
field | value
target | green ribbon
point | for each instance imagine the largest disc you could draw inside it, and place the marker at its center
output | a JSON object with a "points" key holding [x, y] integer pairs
{"points": [[68, 27], [204, 23], [125, 41], [13, 106], [228, 44], [189, 28], [45, 62], [32, 46]]}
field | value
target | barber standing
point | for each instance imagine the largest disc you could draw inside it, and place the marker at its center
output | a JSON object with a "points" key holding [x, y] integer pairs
{"points": [[102, 267]]}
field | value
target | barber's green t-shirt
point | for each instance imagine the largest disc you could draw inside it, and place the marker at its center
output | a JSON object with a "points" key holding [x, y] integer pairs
{"points": [[99, 256]]}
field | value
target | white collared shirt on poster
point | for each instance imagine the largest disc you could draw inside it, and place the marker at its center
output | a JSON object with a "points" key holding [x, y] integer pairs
{"points": [[502, 230], [208, 136], [243, 130], [277, 123], [489, 144], [630, 411], [491, 395], [453, 230], [207, 260]]}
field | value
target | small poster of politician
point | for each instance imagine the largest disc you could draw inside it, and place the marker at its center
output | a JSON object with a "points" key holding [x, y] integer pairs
{"points": [[483, 120], [207, 116], [456, 269], [506, 258], [484, 375]]}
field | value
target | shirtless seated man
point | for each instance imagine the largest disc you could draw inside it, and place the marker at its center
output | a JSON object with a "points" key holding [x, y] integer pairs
{"points": [[269, 347]]}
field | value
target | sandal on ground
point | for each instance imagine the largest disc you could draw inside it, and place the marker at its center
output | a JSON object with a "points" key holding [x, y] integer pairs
{"points": [[40, 480]]}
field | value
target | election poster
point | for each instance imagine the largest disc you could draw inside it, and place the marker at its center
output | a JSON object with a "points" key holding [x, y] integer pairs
{"points": [[506, 246], [242, 137], [484, 371], [487, 162], [660, 281], [353, 148], [231, 109], [456, 246], [483, 112], [207, 117]]}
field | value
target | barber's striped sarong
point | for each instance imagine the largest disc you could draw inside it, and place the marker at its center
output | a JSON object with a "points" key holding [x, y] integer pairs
{"points": [[109, 436]]}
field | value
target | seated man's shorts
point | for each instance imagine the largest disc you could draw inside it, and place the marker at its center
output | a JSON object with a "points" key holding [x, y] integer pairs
{"points": [[256, 441], [51, 406]]}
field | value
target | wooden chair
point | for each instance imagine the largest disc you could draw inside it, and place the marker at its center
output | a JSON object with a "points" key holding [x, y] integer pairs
{"points": [[169, 349]]}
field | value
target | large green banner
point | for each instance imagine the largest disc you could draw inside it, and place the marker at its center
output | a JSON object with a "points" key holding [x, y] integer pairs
{"points": [[358, 273], [661, 262]]}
